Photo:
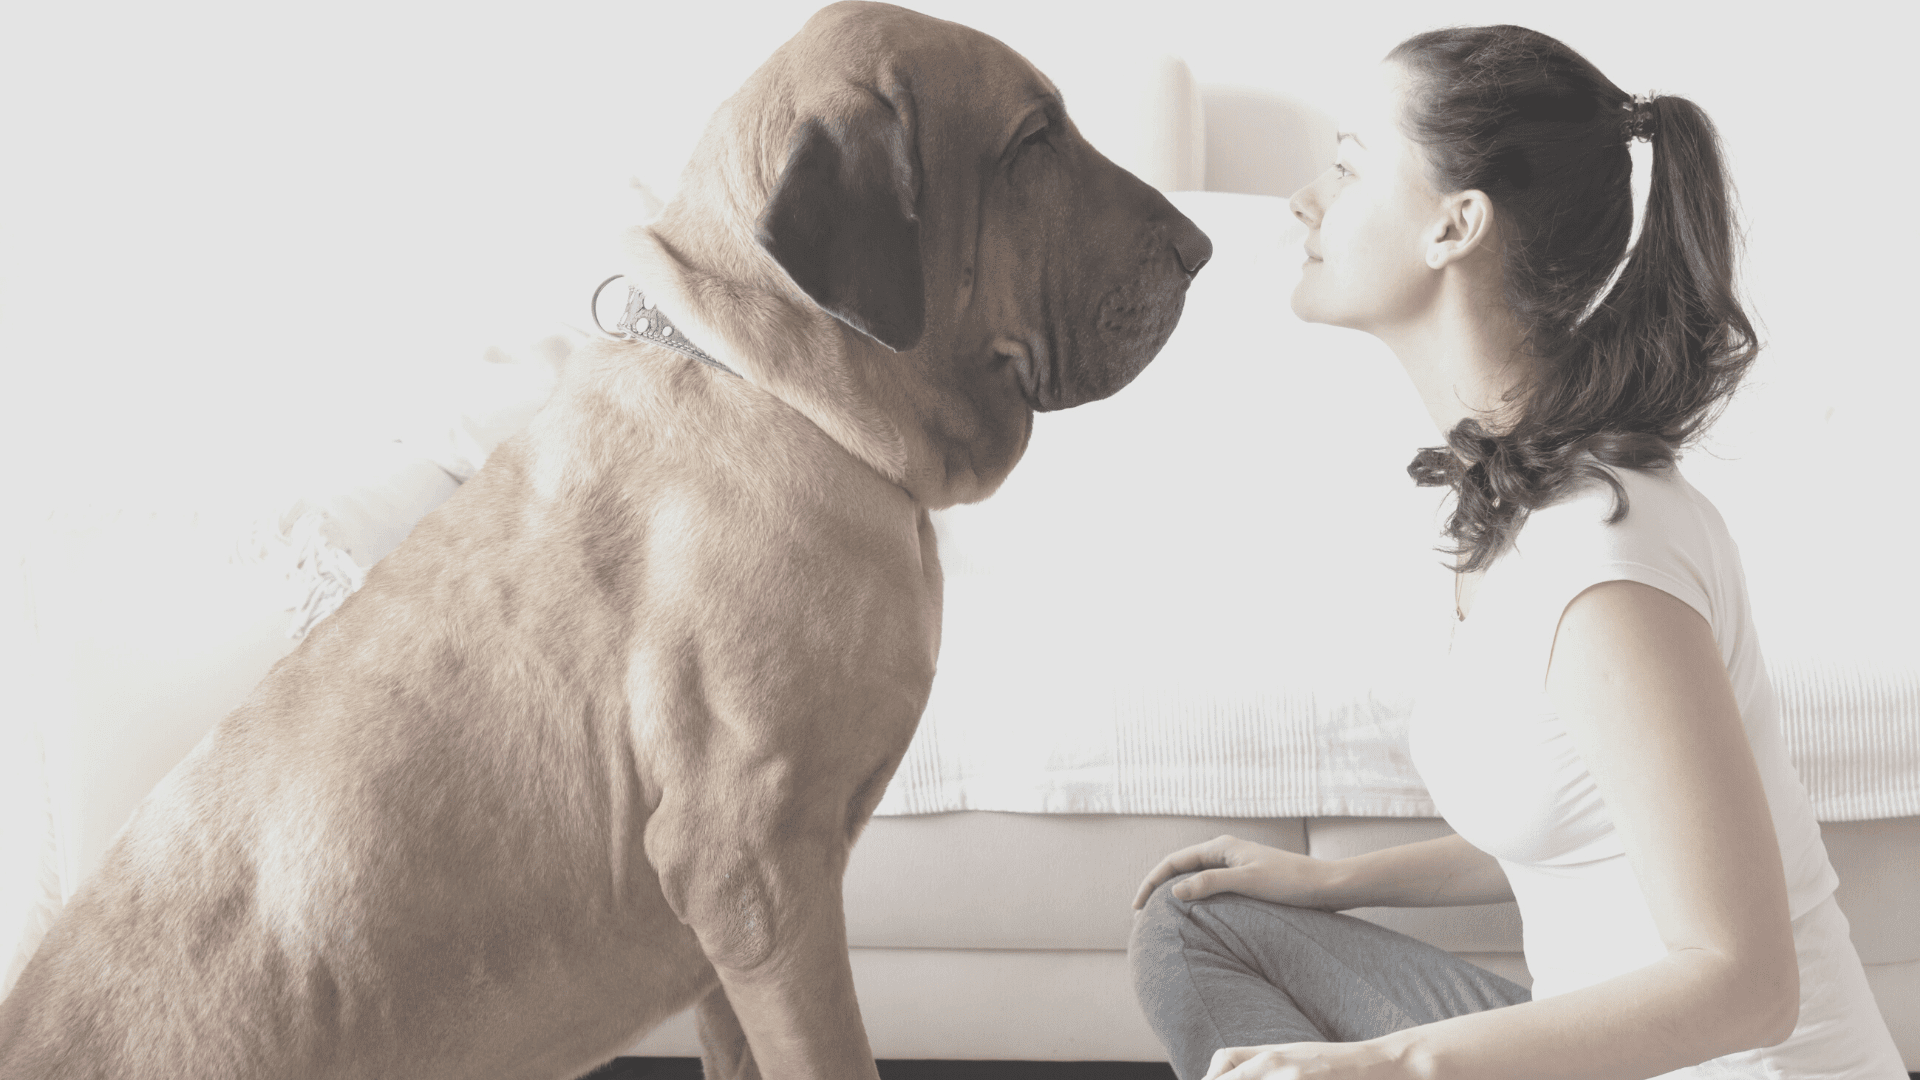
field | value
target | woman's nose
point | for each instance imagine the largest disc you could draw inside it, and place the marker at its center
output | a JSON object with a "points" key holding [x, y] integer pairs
{"points": [[1305, 206]]}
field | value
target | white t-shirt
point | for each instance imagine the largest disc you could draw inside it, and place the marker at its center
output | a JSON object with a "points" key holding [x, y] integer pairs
{"points": [[1497, 760]]}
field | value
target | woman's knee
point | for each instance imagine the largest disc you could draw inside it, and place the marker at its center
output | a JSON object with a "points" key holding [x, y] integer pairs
{"points": [[1158, 929], [1235, 929], [1163, 910]]}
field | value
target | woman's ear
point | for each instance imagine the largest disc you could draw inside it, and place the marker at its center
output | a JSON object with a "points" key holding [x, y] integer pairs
{"points": [[1463, 227]]}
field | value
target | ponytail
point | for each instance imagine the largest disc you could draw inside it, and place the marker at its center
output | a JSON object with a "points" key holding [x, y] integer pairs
{"points": [[1672, 321]]}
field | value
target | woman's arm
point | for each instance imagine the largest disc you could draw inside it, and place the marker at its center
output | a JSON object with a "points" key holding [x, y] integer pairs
{"points": [[1638, 681], [1432, 873], [1442, 872]]}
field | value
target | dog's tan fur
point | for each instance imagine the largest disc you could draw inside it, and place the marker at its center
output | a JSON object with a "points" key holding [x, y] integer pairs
{"points": [[593, 744]]}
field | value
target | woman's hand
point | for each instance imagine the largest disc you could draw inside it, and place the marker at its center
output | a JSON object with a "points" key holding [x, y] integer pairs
{"points": [[1229, 864], [1301, 1061]]}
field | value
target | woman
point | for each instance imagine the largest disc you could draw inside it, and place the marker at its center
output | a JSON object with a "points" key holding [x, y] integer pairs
{"points": [[1605, 740]]}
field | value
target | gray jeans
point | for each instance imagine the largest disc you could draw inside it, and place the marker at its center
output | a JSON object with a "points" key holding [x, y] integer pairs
{"points": [[1230, 970]]}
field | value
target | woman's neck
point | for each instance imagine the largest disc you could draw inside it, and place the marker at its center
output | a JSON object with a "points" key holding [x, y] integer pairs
{"points": [[1464, 354]]}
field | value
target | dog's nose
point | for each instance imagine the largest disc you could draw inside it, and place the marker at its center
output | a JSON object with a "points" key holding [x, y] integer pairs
{"points": [[1192, 246]]}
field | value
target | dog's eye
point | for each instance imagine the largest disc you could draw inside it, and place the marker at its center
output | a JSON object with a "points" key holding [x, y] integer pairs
{"points": [[1036, 130]]}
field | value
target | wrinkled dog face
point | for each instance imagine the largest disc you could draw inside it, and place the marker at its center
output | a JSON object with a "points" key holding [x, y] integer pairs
{"points": [[927, 190], [1086, 266], [936, 196]]}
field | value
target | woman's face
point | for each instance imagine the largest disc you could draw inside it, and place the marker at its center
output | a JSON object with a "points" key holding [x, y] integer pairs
{"points": [[1369, 218]]}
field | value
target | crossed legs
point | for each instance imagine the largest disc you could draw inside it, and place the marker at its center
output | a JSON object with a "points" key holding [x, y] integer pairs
{"points": [[1230, 970]]}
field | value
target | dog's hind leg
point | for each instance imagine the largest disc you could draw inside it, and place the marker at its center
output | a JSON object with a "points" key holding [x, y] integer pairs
{"points": [[724, 1054]]}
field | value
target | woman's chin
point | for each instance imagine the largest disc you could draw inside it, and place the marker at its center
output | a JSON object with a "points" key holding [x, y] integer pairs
{"points": [[1313, 308], [1303, 304]]}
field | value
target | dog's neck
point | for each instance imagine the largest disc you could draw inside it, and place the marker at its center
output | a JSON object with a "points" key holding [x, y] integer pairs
{"points": [[745, 314]]}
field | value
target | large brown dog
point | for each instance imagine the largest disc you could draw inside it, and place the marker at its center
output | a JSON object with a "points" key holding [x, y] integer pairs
{"points": [[594, 743]]}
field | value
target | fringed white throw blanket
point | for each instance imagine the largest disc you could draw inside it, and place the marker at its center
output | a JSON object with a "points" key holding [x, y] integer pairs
{"points": [[1336, 751], [1853, 731]]}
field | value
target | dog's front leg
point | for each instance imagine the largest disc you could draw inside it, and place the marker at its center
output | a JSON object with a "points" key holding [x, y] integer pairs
{"points": [[759, 884], [724, 1053]]}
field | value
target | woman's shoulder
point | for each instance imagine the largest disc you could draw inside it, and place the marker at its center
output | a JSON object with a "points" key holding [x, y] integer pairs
{"points": [[1666, 535], [1622, 514]]}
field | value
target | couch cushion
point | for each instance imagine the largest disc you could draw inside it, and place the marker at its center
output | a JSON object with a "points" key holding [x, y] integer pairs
{"points": [[981, 880], [1879, 867], [1896, 989]]}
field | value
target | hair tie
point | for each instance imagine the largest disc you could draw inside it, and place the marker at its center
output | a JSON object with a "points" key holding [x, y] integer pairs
{"points": [[1639, 120], [1434, 466]]}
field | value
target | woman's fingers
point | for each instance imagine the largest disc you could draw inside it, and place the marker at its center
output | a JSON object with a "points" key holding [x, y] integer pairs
{"points": [[1293, 1061], [1163, 870], [1227, 1059], [1186, 860], [1168, 867], [1252, 1063], [1205, 884]]}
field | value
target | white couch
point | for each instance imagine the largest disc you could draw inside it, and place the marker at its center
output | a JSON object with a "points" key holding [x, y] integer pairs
{"points": [[988, 904]]}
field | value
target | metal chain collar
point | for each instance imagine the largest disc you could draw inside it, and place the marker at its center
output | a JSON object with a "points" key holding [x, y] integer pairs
{"points": [[641, 322]]}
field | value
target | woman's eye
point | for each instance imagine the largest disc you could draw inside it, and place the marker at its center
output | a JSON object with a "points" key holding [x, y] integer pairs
{"points": [[1341, 171]]}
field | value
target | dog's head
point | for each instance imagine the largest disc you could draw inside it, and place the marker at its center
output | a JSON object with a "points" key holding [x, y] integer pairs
{"points": [[960, 257]]}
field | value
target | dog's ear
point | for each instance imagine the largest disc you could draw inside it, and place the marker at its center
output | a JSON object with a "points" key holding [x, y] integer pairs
{"points": [[843, 223]]}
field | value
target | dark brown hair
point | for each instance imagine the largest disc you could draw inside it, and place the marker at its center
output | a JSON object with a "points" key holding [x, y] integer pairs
{"points": [[1626, 379]]}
